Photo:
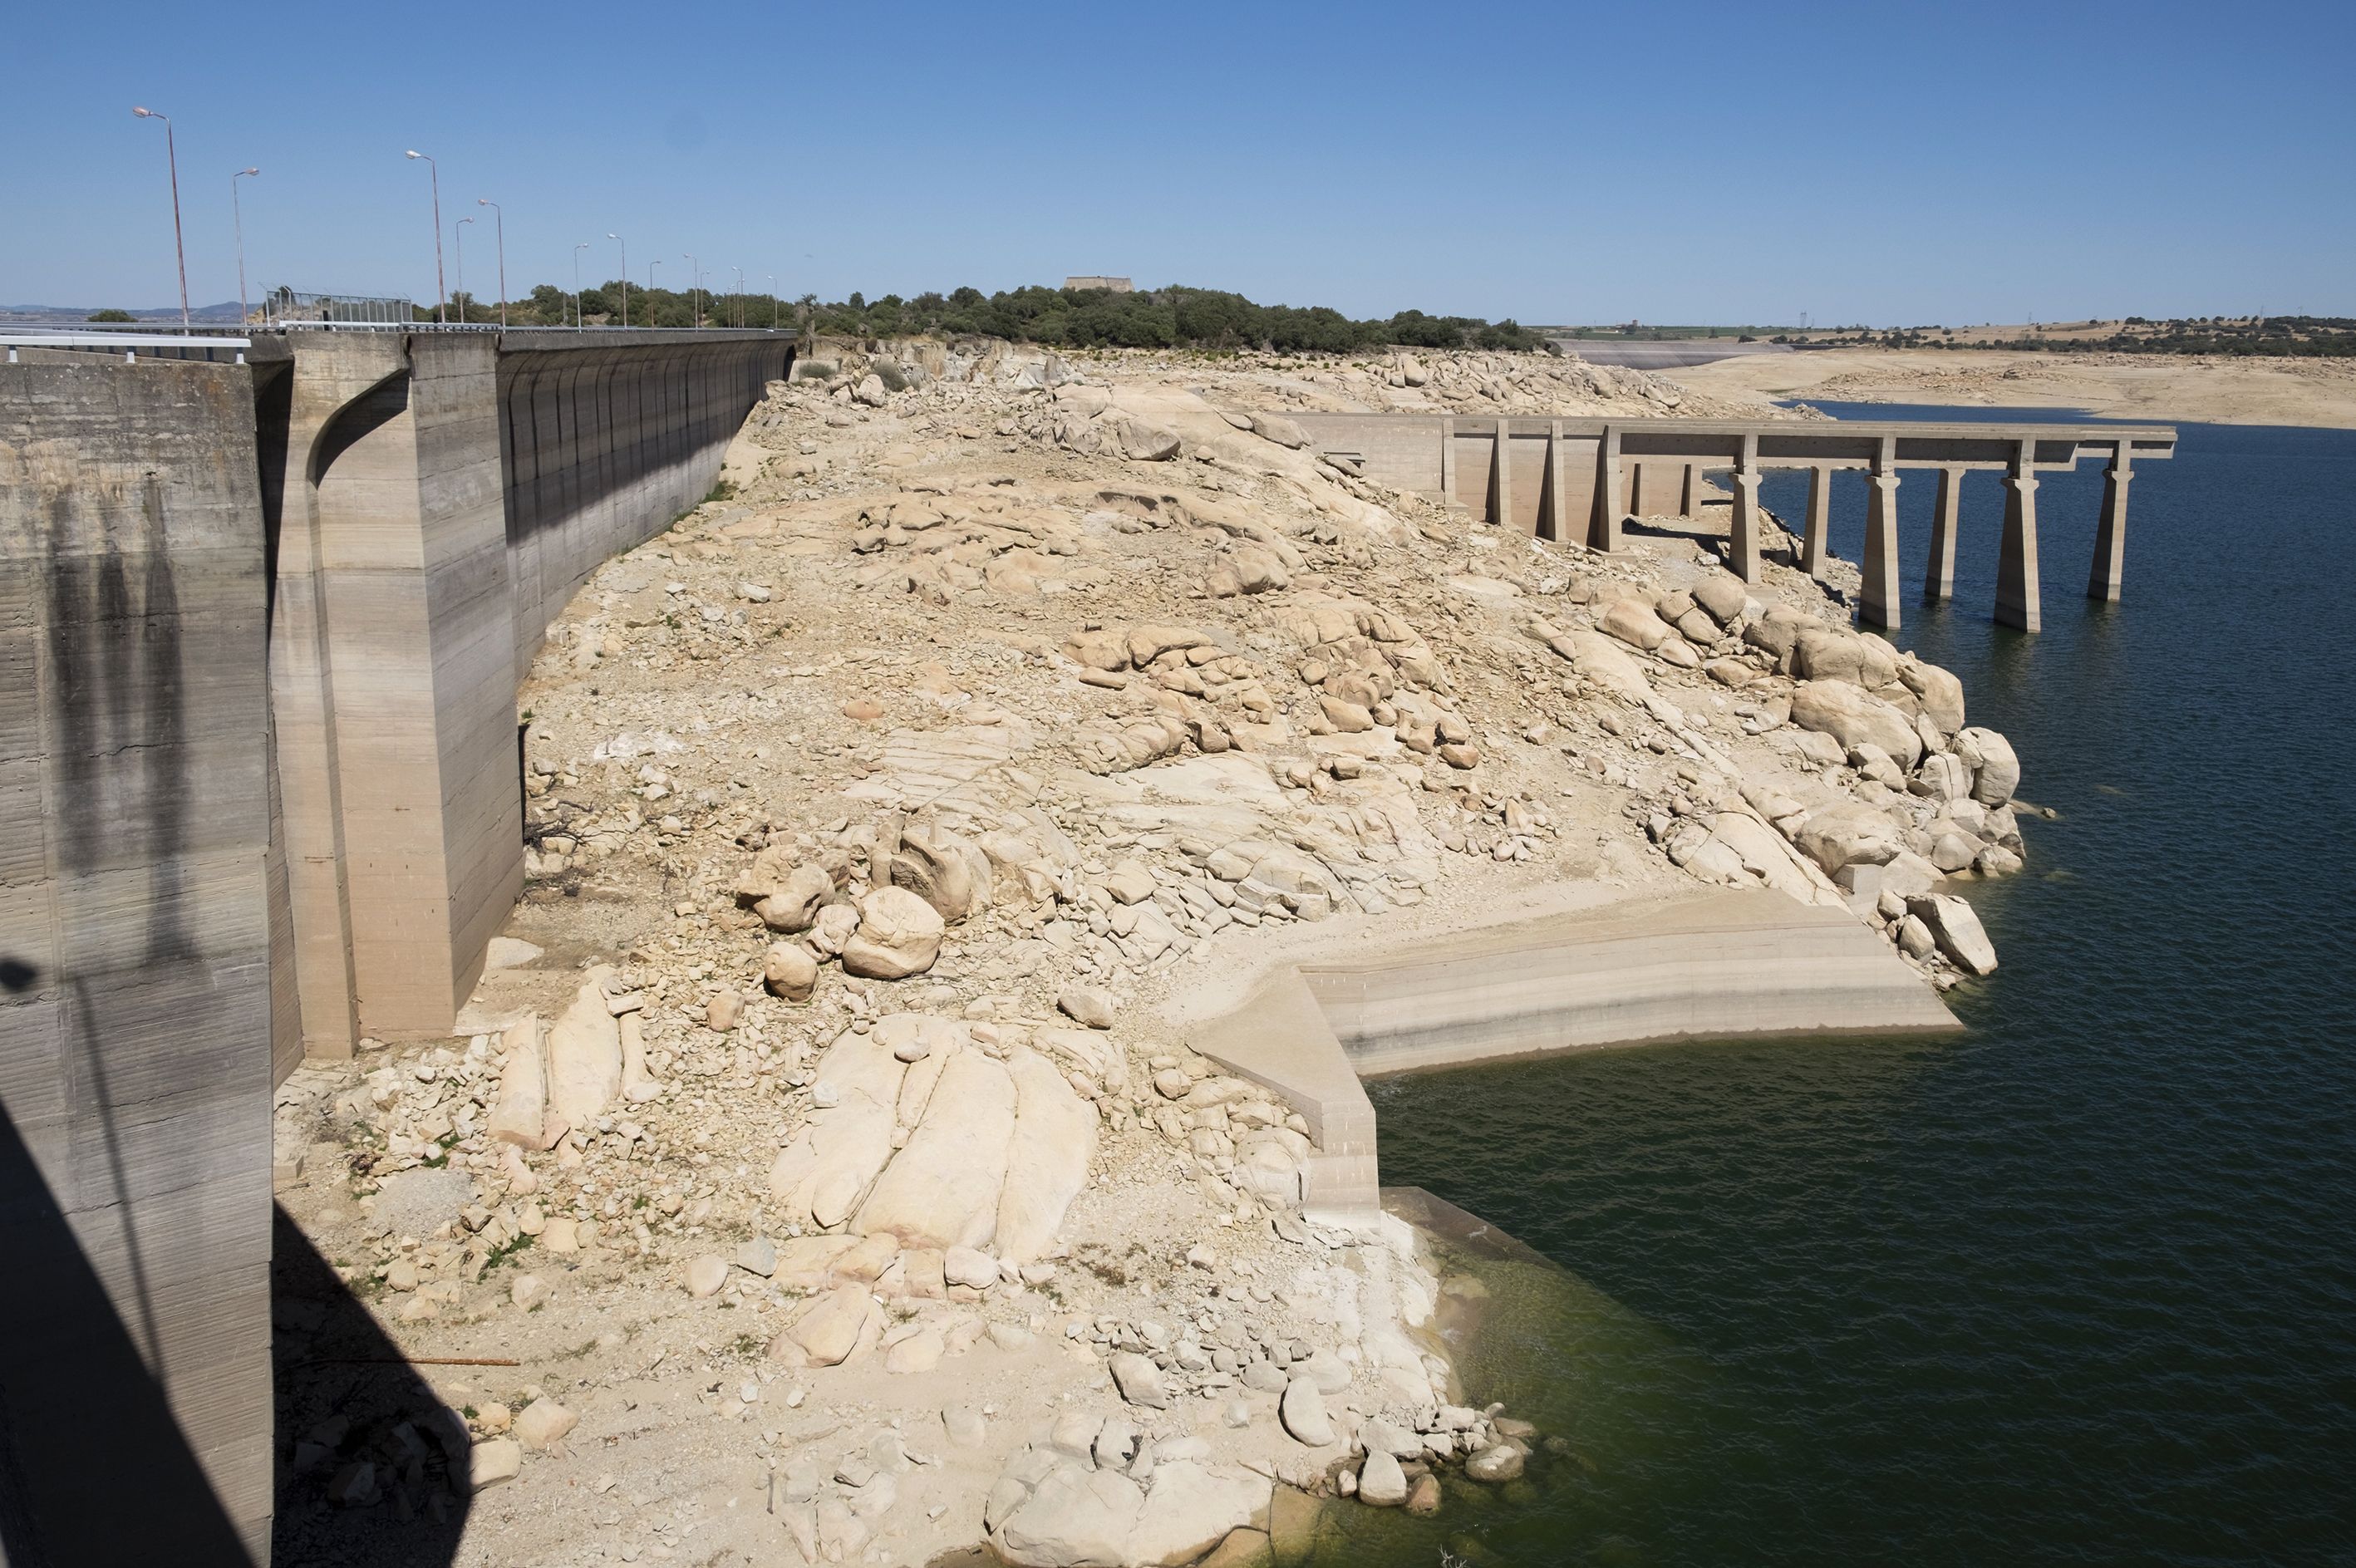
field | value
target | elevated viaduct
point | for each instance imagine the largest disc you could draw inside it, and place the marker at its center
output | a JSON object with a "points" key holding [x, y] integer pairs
{"points": [[264, 605], [1580, 480]]}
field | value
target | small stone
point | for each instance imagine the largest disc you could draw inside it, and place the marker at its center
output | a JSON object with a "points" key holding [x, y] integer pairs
{"points": [[1140, 1381], [1381, 1482], [1327, 1370], [1086, 1005], [705, 1275], [544, 1422], [965, 1426], [1304, 1416], [528, 1291], [865, 709], [498, 1459], [758, 1256], [790, 971], [970, 1266], [722, 1011], [1498, 1463], [561, 1236], [919, 1352], [1423, 1497]]}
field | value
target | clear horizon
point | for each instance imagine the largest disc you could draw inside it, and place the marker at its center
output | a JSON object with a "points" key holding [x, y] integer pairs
{"points": [[1859, 165]]}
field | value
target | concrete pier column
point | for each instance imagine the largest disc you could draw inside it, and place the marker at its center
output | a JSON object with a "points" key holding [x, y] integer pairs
{"points": [[1604, 522], [2111, 533], [2015, 567], [1551, 525], [1742, 544], [1447, 462], [1817, 542], [1689, 490], [1501, 476], [1878, 600], [1939, 576], [1644, 502]]}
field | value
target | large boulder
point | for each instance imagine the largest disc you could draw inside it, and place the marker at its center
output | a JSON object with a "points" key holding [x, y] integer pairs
{"points": [[1995, 771], [1848, 833], [1938, 690], [839, 1327], [1827, 653], [1046, 1160], [1777, 633], [942, 1189], [1722, 595], [820, 1176], [785, 894], [1279, 430], [585, 1055], [1956, 928], [899, 934], [948, 871], [1855, 718], [1634, 622]]}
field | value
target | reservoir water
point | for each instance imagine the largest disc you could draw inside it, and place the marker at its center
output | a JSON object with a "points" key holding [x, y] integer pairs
{"points": [[2078, 1286]]}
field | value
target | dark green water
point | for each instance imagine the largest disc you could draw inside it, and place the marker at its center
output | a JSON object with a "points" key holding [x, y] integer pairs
{"points": [[2076, 1287]]}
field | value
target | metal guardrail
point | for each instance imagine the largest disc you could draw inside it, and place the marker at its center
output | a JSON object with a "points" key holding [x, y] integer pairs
{"points": [[130, 343]]}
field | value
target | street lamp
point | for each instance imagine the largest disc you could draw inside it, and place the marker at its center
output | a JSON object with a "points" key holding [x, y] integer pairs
{"points": [[626, 273], [693, 277], [651, 290], [458, 243], [576, 283], [777, 306], [739, 294], [240, 213], [499, 219], [179, 248], [441, 300]]}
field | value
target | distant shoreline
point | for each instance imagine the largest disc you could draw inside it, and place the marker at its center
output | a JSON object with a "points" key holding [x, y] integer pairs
{"points": [[2315, 393]]}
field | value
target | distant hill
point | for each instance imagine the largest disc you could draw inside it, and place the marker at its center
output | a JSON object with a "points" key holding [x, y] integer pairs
{"points": [[223, 314]]}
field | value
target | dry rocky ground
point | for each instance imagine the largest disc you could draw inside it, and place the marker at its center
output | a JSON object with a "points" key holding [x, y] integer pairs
{"points": [[820, 1151]]}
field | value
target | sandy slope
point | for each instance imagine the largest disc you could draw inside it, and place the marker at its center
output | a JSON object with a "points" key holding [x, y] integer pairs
{"points": [[2214, 390]]}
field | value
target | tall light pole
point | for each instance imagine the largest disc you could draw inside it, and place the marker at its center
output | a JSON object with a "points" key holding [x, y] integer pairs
{"points": [[441, 301], [458, 244], [651, 290], [693, 277], [776, 306], [179, 248], [500, 220], [576, 283], [240, 212], [739, 294], [625, 244]]}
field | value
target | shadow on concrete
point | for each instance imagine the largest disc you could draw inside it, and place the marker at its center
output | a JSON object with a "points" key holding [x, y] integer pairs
{"points": [[94, 1465], [372, 1467]]}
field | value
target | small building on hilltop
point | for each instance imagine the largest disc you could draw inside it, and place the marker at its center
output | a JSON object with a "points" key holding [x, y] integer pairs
{"points": [[1117, 285]]}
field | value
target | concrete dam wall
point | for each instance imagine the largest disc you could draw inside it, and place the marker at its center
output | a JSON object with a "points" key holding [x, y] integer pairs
{"points": [[262, 627]]}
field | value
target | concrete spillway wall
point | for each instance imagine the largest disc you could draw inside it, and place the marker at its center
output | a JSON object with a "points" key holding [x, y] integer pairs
{"points": [[260, 632], [136, 974], [441, 497]]}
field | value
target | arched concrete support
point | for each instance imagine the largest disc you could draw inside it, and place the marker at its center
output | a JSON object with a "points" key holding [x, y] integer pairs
{"points": [[1743, 542], [2111, 532], [1877, 598], [1939, 573], [1817, 546], [2016, 569]]}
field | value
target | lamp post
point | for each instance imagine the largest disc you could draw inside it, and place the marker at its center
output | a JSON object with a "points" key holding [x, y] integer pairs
{"points": [[441, 300], [179, 249], [651, 290], [458, 244], [776, 308], [693, 277], [739, 294], [626, 273], [500, 220], [240, 213], [576, 283]]}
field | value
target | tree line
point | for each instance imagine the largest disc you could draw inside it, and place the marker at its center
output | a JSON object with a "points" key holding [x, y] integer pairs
{"points": [[1173, 317]]}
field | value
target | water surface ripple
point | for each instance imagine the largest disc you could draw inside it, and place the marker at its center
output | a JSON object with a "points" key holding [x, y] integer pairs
{"points": [[2078, 1286]]}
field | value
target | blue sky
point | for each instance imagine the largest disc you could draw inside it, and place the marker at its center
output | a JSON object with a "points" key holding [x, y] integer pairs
{"points": [[1889, 164]]}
